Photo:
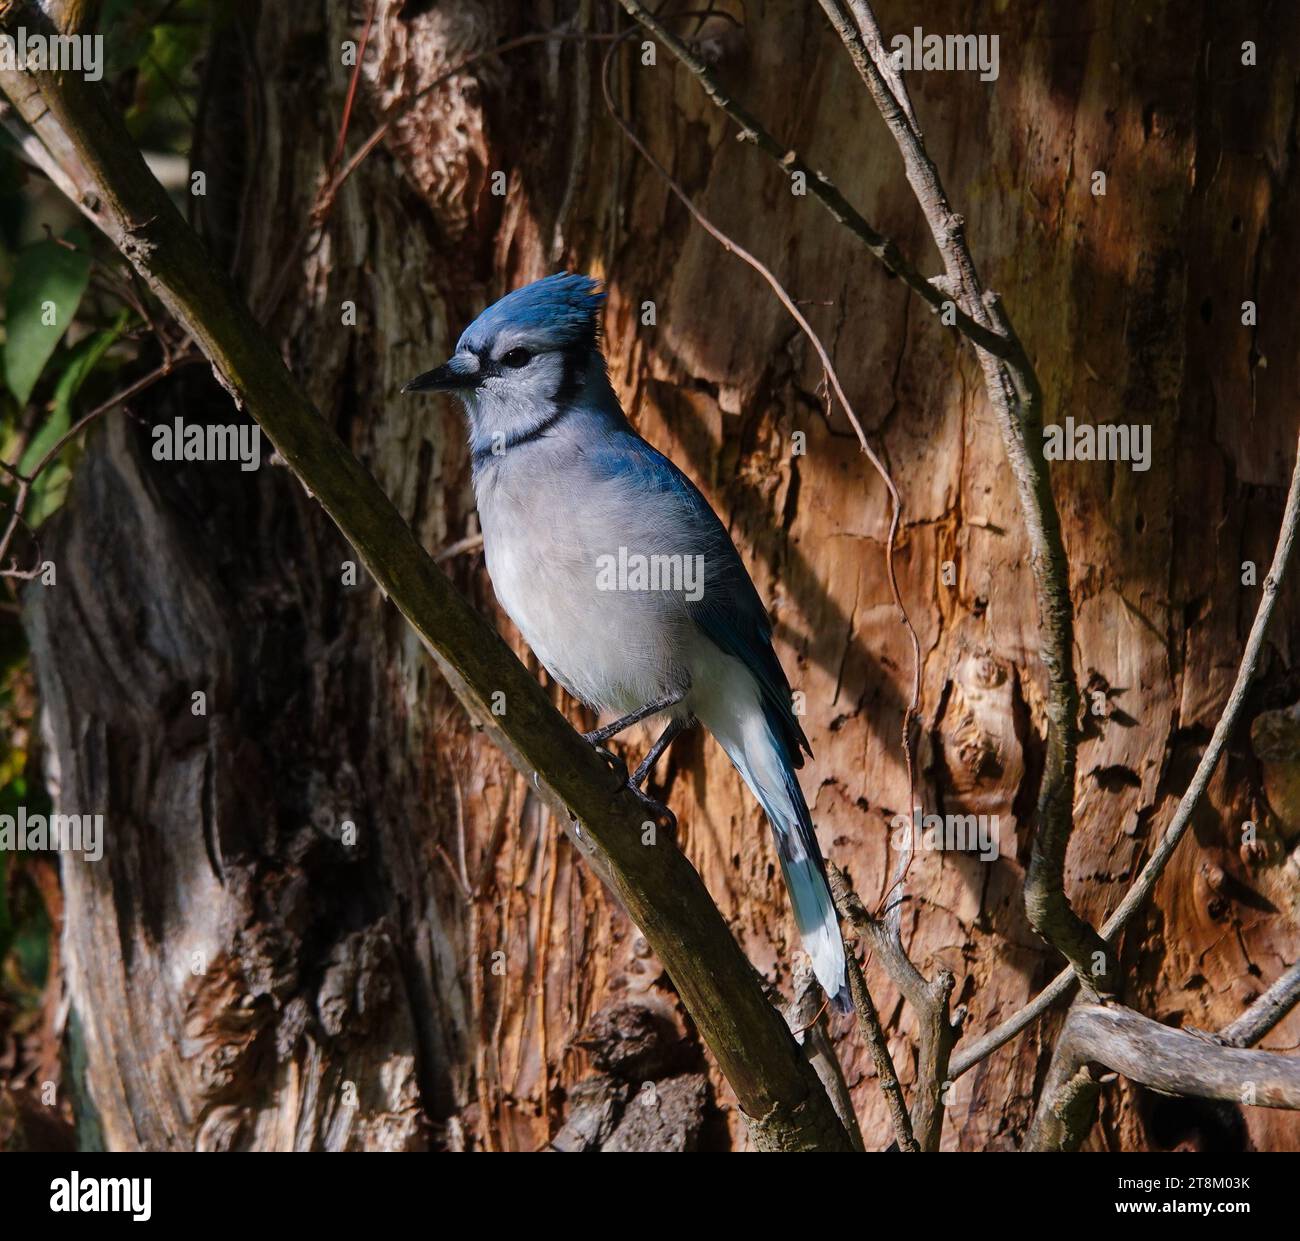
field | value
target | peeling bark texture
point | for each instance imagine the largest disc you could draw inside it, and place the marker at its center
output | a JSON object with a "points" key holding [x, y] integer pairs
{"points": [[460, 980]]}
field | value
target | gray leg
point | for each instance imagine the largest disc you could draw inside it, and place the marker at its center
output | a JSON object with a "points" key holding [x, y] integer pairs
{"points": [[665, 740], [596, 736], [659, 813]]}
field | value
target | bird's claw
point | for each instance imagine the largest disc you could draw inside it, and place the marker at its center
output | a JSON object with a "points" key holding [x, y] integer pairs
{"points": [[659, 814], [612, 760], [662, 817]]}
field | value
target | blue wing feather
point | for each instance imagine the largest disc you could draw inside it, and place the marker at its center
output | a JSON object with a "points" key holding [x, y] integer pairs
{"points": [[730, 614]]}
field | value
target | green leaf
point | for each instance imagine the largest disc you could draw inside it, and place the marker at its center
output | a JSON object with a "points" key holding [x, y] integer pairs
{"points": [[82, 359], [48, 282], [47, 494]]}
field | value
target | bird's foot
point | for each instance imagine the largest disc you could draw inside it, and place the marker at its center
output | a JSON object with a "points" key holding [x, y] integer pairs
{"points": [[660, 815], [612, 760], [657, 812]]}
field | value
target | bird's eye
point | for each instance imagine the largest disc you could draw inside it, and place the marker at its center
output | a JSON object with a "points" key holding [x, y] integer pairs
{"points": [[517, 358]]}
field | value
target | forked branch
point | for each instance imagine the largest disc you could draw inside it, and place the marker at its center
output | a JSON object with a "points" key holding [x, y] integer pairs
{"points": [[1180, 1062]]}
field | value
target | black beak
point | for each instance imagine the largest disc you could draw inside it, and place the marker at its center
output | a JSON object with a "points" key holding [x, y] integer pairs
{"points": [[456, 375]]}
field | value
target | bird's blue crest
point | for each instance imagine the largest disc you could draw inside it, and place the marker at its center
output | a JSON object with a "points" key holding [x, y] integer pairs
{"points": [[564, 306]]}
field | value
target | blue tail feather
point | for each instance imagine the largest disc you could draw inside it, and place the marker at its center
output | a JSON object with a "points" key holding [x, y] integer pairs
{"points": [[804, 871]]}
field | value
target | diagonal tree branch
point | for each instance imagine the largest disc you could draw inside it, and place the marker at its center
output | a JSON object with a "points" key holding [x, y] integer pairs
{"points": [[1266, 1012], [806, 1017], [873, 1034], [784, 1102]]}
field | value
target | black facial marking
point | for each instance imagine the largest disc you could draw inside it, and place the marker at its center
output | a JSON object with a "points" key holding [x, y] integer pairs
{"points": [[484, 455], [572, 377]]}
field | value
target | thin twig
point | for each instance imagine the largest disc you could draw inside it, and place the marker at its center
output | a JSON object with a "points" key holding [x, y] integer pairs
{"points": [[352, 88], [821, 186], [937, 1029], [806, 1017], [470, 543], [580, 138], [873, 1035], [131, 390], [25, 481], [323, 203], [1267, 1011]]}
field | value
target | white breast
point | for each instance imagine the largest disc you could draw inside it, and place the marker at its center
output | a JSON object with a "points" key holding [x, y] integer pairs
{"points": [[614, 649]]}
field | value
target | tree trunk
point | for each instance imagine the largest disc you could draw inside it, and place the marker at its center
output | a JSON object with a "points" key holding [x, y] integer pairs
{"points": [[330, 915]]}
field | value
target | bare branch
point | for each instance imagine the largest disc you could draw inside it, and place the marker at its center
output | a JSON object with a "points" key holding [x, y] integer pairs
{"points": [[1266, 1012], [1067, 1104], [470, 543], [24, 490], [806, 1017], [50, 152], [970, 1054], [118, 398], [929, 1000], [1016, 397], [353, 79], [335, 177], [1174, 1061], [873, 1035]]}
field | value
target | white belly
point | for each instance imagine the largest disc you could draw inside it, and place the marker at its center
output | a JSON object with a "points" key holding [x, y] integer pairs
{"points": [[616, 649]]}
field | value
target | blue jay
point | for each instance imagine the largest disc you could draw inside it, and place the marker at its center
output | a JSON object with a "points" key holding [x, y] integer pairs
{"points": [[590, 536]]}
